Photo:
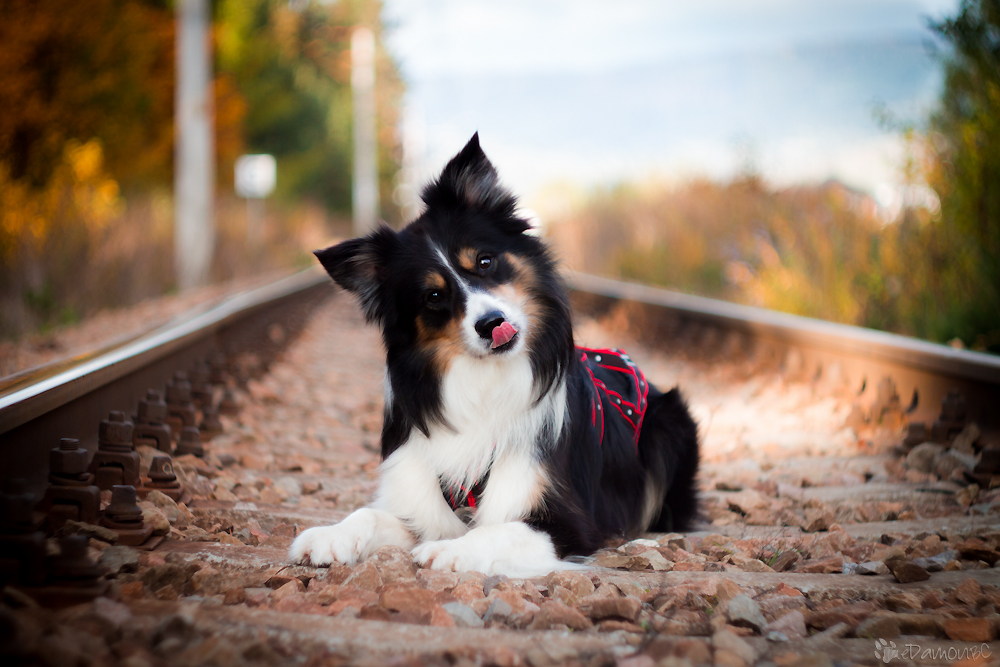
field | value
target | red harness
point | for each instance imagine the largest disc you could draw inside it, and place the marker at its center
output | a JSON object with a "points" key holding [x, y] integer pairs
{"points": [[620, 389], [467, 497]]}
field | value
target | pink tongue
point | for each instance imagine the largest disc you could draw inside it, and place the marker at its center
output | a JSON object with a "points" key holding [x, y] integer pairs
{"points": [[502, 334]]}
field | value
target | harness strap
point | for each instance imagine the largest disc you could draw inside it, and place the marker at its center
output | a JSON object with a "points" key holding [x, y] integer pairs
{"points": [[619, 387], [466, 497], [620, 390]]}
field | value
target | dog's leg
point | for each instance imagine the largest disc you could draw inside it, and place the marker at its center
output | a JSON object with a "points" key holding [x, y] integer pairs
{"points": [[408, 501], [516, 486], [410, 490], [501, 543], [351, 540], [512, 548]]}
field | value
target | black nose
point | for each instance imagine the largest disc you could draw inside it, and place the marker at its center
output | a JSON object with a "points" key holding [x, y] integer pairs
{"points": [[487, 323]]}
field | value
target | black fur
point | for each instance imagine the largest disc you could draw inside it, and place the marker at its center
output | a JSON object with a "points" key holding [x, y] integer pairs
{"points": [[597, 490]]}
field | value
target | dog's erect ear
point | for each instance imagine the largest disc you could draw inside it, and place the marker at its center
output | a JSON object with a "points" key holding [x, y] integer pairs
{"points": [[469, 179], [358, 266]]}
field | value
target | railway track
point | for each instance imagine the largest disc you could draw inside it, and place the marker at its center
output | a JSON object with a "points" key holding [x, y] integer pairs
{"points": [[849, 492]]}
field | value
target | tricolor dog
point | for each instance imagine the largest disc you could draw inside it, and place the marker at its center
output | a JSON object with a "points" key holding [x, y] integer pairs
{"points": [[505, 447]]}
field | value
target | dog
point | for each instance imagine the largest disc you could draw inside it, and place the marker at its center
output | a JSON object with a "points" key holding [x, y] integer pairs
{"points": [[505, 448]]}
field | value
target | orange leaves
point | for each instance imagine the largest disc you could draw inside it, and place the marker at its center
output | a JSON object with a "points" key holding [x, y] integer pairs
{"points": [[78, 193], [101, 69]]}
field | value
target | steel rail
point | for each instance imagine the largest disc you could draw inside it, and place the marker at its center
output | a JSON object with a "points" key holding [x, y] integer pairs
{"points": [[68, 398], [932, 357], [40, 405], [34, 392], [921, 369]]}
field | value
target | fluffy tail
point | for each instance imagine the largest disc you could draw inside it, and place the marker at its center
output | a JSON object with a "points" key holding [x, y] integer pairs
{"points": [[668, 447]]}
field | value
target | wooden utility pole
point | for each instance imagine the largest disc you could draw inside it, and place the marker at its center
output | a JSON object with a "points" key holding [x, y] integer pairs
{"points": [[194, 147], [365, 191]]}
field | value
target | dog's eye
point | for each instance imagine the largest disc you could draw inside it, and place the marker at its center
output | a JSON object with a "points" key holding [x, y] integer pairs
{"points": [[484, 262], [434, 297]]}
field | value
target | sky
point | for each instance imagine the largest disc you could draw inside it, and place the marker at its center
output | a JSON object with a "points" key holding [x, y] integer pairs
{"points": [[584, 93]]}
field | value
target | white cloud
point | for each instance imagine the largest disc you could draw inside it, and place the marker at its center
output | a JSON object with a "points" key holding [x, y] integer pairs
{"points": [[590, 91], [434, 37]]}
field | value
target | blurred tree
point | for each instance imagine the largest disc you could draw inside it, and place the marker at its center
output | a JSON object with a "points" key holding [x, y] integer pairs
{"points": [[104, 69], [820, 251], [291, 62], [101, 69], [933, 271], [963, 300], [86, 140]]}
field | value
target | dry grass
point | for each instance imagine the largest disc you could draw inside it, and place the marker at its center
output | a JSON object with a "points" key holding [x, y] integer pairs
{"points": [[78, 245], [822, 251]]}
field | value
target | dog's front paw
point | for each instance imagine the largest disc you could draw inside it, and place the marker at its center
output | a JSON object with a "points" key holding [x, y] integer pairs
{"points": [[353, 539], [511, 548], [325, 544], [456, 555]]}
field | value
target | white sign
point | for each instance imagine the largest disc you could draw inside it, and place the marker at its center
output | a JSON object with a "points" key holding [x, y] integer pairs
{"points": [[256, 175]]}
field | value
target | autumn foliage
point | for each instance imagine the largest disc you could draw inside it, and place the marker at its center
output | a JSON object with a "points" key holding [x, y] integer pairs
{"points": [[930, 269], [823, 251], [101, 69], [87, 142]]}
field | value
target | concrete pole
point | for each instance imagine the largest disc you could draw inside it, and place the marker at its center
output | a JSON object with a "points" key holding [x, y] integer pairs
{"points": [[194, 147], [365, 192], [411, 176]]}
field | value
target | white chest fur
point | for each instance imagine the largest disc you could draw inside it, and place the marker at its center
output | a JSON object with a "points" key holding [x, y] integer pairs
{"points": [[495, 424], [493, 415]]}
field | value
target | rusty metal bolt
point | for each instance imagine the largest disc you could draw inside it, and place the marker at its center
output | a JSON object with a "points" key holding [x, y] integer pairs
{"points": [[953, 408], [210, 424], [201, 390], [219, 369], [916, 434], [152, 410], [886, 396], [73, 561], [200, 373], [244, 374], [115, 431], [178, 389], [22, 543], [150, 427], [190, 442], [181, 411], [228, 405], [68, 459], [952, 418], [123, 507], [16, 504], [161, 469]]}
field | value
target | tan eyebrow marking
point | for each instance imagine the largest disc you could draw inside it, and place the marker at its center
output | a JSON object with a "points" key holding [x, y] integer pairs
{"points": [[435, 281], [520, 267], [467, 258]]}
